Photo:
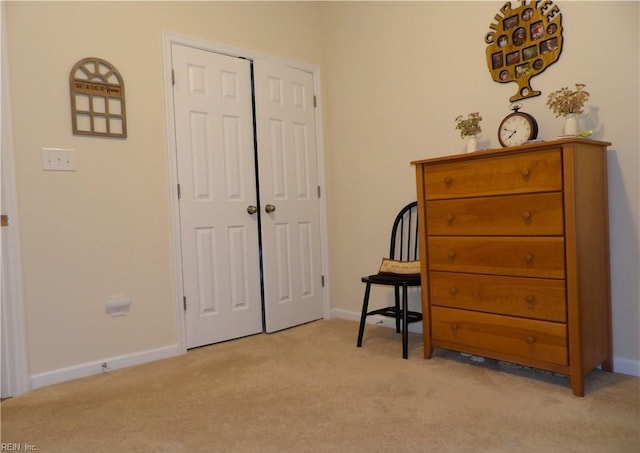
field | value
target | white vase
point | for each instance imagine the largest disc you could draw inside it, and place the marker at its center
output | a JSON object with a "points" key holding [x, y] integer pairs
{"points": [[472, 143], [571, 124]]}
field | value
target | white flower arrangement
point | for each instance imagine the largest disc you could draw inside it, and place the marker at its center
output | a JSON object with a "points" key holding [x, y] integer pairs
{"points": [[470, 125], [565, 101]]}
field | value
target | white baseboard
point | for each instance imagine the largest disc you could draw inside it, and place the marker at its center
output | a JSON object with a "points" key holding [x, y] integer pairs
{"points": [[620, 365], [415, 327], [626, 366], [91, 368]]}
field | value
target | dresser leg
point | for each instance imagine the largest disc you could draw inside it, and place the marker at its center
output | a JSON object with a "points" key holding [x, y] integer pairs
{"points": [[428, 349], [577, 385]]}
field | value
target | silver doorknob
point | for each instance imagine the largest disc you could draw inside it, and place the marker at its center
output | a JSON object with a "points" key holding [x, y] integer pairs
{"points": [[269, 208], [252, 209]]}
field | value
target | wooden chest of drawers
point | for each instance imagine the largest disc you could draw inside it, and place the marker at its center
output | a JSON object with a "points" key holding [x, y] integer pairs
{"points": [[515, 255]]}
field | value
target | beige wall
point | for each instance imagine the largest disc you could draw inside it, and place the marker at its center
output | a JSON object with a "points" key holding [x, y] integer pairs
{"points": [[105, 229], [397, 74], [394, 76]]}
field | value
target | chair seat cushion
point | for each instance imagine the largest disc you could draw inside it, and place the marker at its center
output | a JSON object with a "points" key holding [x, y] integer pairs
{"points": [[390, 266]]}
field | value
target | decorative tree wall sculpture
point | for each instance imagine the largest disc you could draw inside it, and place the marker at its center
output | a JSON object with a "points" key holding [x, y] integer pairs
{"points": [[523, 42]]}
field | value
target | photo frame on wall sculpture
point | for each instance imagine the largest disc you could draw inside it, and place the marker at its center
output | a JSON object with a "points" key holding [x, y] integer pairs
{"points": [[522, 43], [97, 99]]}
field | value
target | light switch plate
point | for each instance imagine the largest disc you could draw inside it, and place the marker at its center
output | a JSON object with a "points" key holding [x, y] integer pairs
{"points": [[57, 159]]}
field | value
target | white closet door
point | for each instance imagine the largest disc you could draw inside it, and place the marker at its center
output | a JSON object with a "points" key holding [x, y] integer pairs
{"points": [[216, 173], [288, 177]]}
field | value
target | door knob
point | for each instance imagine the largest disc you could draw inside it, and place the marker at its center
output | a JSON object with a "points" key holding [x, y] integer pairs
{"points": [[269, 208], [252, 209]]}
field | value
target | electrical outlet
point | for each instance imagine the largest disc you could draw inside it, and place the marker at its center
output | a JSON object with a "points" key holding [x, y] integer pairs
{"points": [[118, 305], [56, 159]]}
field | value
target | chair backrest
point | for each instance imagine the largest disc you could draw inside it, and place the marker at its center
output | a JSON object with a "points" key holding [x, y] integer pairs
{"points": [[404, 234]]}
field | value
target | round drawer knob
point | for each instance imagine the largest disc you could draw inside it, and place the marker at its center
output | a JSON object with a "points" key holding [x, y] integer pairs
{"points": [[526, 215], [529, 298], [453, 291], [454, 327], [451, 254], [525, 173], [448, 181], [449, 218], [531, 340], [528, 257]]}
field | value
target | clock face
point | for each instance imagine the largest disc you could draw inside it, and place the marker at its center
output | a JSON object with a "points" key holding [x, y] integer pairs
{"points": [[516, 129]]}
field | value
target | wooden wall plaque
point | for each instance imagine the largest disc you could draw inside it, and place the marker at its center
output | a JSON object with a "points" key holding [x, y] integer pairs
{"points": [[97, 99]]}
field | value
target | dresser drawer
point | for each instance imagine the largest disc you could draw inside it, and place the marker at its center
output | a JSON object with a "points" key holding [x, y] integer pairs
{"points": [[525, 215], [535, 171], [504, 335], [515, 256], [533, 298]]}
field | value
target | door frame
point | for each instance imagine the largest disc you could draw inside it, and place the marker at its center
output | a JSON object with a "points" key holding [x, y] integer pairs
{"points": [[168, 39], [13, 326]]}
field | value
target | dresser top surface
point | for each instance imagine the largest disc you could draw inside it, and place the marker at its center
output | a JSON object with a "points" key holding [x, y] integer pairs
{"points": [[536, 145]]}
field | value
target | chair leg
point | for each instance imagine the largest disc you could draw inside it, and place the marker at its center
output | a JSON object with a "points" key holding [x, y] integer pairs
{"points": [[405, 325], [397, 303], [363, 316]]}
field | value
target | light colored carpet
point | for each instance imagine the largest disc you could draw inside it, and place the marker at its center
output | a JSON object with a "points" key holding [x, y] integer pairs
{"points": [[309, 389]]}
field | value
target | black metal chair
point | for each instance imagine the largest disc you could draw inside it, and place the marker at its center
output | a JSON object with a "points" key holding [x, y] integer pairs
{"points": [[404, 247]]}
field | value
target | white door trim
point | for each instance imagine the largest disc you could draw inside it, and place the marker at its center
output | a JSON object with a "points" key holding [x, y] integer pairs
{"points": [[169, 38], [13, 330]]}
